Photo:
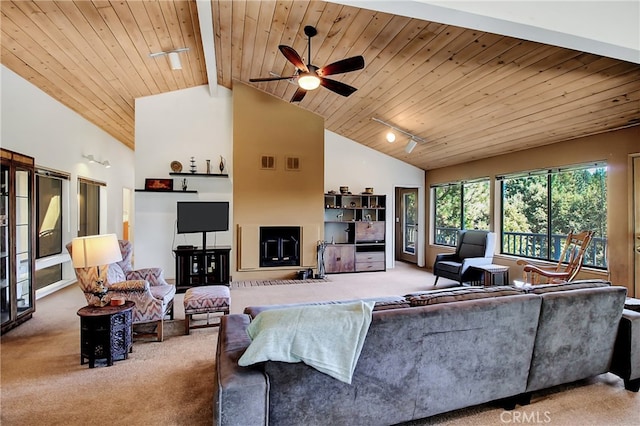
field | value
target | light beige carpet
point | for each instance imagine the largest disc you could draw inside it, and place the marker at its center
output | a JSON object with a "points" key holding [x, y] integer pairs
{"points": [[171, 383]]}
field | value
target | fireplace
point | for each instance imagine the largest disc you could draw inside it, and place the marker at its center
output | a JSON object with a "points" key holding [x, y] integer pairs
{"points": [[279, 246]]}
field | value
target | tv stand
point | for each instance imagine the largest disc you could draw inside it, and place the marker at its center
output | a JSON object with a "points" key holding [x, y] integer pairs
{"points": [[197, 266]]}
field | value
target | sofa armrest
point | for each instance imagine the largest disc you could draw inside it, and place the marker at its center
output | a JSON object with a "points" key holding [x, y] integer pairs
{"points": [[129, 285], [446, 256], [155, 276], [626, 353], [240, 394]]}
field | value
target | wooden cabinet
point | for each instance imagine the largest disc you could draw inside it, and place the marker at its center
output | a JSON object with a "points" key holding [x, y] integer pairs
{"points": [[354, 232], [339, 258], [17, 243], [196, 267]]}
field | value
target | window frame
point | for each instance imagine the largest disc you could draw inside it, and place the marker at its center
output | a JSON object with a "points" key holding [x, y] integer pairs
{"points": [[462, 185], [550, 236]]}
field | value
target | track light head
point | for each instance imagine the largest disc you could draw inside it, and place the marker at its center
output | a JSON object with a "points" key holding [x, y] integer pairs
{"points": [[391, 137], [410, 145]]}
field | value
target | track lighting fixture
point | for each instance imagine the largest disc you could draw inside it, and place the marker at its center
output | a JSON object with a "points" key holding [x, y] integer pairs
{"points": [[174, 58], [410, 146], [391, 137]]}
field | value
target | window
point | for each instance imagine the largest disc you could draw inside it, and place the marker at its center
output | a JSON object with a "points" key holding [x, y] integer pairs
{"points": [[51, 187], [458, 206], [48, 215], [539, 210], [88, 207]]}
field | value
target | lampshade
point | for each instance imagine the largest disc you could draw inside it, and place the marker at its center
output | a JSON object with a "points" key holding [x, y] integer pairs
{"points": [[95, 250], [308, 81]]}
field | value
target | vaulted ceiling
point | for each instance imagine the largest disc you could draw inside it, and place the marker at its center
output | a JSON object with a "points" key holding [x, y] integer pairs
{"points": [[468, 94]]}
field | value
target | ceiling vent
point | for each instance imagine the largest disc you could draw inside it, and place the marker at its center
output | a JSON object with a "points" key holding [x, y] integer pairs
{"points": [[292, 163], [268, 162]]}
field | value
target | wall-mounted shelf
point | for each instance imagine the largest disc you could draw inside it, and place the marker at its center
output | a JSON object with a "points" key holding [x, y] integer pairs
{"points": [[168, 192], [199, 174]]}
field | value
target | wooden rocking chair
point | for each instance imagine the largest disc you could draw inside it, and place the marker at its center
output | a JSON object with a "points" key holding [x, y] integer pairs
{"points": [[568, 266]]}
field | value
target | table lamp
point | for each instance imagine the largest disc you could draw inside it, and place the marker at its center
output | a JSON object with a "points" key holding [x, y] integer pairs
{"points": [[96, 250]]}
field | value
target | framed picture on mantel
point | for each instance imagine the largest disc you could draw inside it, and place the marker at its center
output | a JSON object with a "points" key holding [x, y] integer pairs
{"points": [[158, 184]]}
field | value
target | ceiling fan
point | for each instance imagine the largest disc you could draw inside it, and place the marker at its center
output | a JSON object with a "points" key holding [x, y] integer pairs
{"points": [[309, 76]]}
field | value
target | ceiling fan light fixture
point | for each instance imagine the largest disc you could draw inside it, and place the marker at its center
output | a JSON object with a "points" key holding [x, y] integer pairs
{"points": [[308, 81], [391, 137]]}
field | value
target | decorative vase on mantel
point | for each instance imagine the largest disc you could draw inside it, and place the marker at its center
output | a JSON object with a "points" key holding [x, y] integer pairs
{"points": [[221, 165], [193, 165], [208, 167]]}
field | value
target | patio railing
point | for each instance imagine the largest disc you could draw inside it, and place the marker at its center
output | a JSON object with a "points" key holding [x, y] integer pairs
{"points": [[535, 245]]}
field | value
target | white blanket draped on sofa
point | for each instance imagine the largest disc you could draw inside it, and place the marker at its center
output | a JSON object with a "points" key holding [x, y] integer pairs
{"points": [[328, 338]]}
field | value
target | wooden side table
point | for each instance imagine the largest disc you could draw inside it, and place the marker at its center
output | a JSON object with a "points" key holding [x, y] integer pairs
{"points": [[106, 332], [492, 275]]}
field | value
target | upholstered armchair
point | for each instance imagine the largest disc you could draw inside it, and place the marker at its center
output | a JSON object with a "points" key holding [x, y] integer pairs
{"points": [[152, 295], [474, 248]]}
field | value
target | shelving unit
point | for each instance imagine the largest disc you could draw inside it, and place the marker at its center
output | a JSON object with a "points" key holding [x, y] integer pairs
{"points": [[185, 174], [17, 239], [354, 230], [170, 192]]}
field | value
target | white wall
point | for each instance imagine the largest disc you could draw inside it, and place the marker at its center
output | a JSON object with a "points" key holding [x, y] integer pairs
{"points": [[170, 127], [348, 163], [181, 124], [35, 124]]}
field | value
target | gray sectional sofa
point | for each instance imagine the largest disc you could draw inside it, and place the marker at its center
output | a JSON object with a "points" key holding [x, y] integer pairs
{"points": [[434, 352]]}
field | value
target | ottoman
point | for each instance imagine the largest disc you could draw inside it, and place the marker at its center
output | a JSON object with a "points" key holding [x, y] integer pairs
{"points": [[205, 300]]}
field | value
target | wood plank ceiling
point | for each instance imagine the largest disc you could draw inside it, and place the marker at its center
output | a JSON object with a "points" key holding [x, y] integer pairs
{"points": [[468, 94]]}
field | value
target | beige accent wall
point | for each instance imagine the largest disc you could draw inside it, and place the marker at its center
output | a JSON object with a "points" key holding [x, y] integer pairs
{"points": [[614, 147], [264, 125]]}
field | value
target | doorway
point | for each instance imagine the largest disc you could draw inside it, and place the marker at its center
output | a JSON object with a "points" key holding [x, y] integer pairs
{"points": [[406, 224], [636, 232]]}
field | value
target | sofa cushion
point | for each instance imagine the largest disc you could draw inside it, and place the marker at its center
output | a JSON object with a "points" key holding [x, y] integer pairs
{"points": [[450, 266], [381, 303], [460, 294], [115, 273], [573, 285]]}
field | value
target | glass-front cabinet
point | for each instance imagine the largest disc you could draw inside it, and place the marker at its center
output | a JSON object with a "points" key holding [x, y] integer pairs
{"points": [[16, 239]]}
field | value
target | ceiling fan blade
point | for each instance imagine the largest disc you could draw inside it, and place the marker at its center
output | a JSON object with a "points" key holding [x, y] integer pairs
{"points": [[297, 97], [293, 57], [345, 65], [255, 80], [337, 86]]}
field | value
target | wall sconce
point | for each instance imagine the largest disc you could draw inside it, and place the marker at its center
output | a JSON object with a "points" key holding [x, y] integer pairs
{"points": [[391, 137], [92, 159], [174, 58]]}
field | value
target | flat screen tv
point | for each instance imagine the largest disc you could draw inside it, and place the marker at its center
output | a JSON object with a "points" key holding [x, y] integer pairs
{"points": [[202, 216]]}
